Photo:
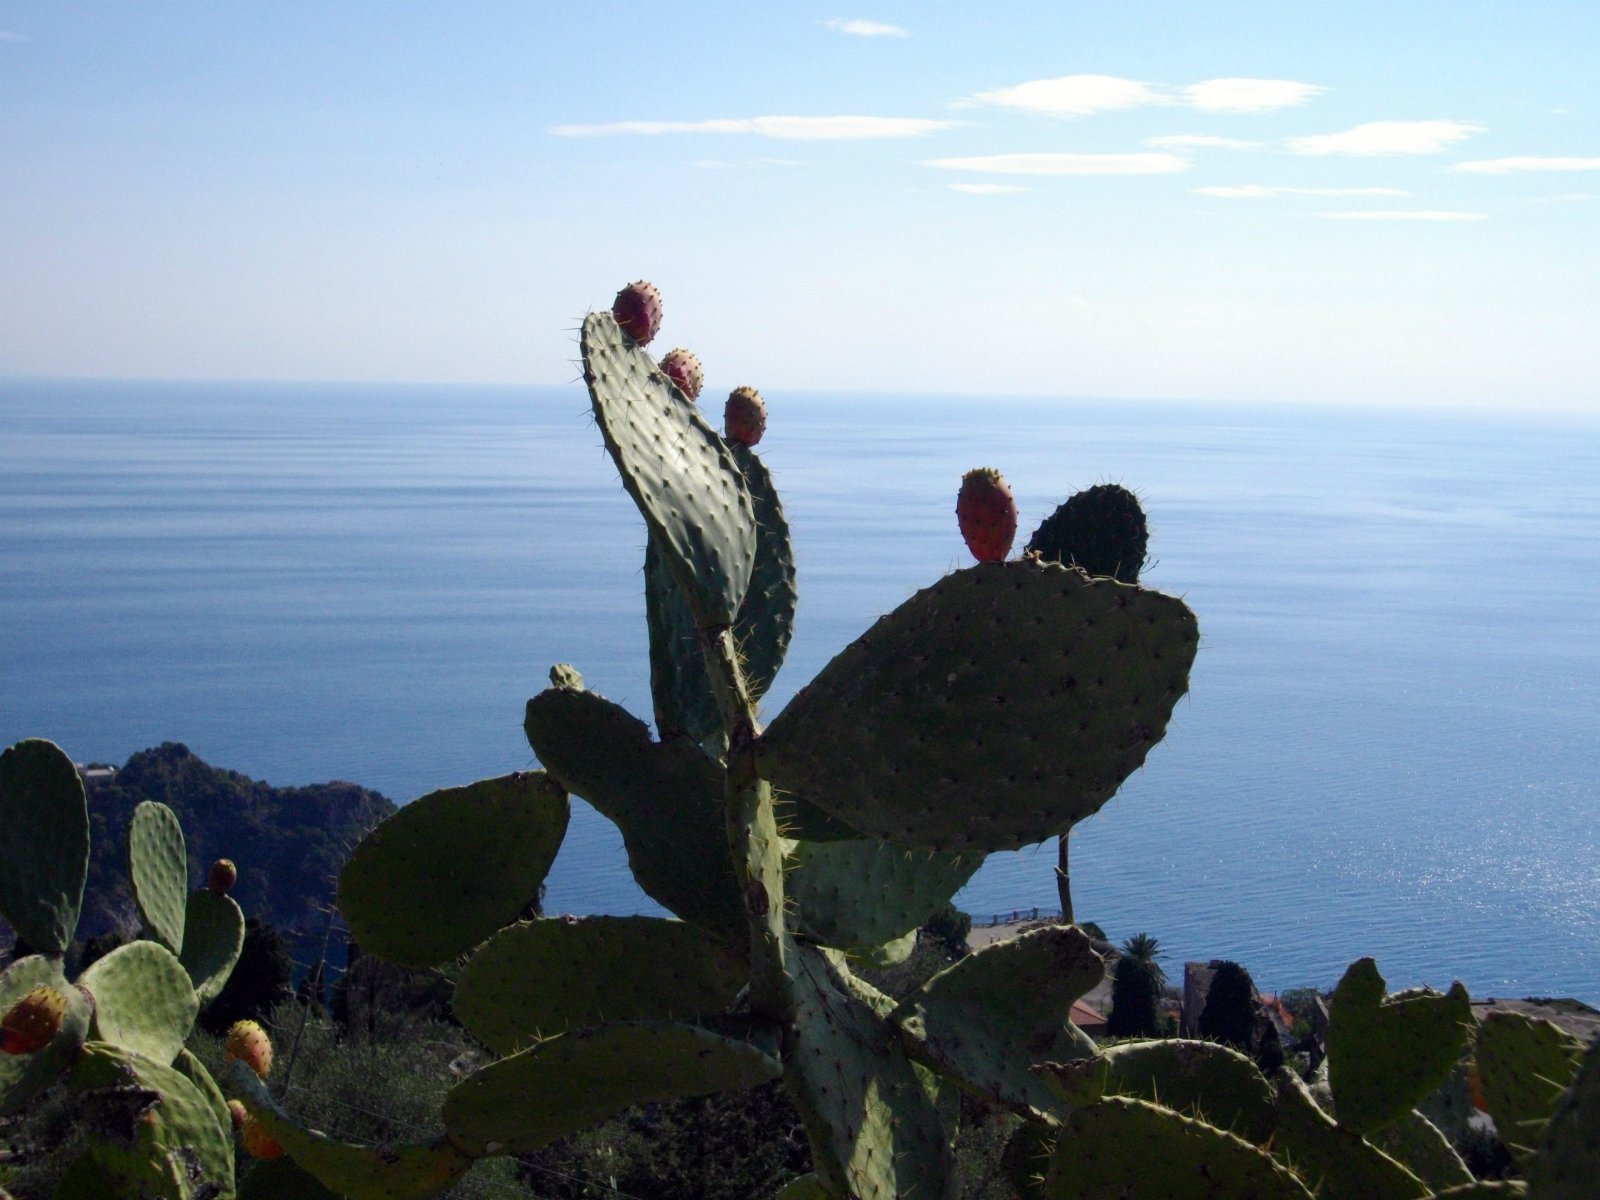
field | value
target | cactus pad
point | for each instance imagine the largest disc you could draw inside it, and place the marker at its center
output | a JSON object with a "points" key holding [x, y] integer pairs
{"points": [[989, 1018], [665, 797], [283, 1179], [1417, 1145], [449, 869], [538, 979], [580, 1079], [1332, 1160], [803, 1187], [44, 855], [858, 1095], [148, 1127], [1101, 529], [1132, 1148], [1568, 1162], [1524, 1065], [1213, 1083], [861, 893], [1386, 1055], [386, 1172], [23, 1077], [679, 472], [158, 865], [991, 710], [213, 938], [143, 1000]]}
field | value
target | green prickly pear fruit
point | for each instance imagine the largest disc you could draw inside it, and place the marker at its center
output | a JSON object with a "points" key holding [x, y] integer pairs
{"points": [[683, 368], [987, 513], [222, 877], [32, 1023], [248, 1043], [637, 309], [745, 416]]}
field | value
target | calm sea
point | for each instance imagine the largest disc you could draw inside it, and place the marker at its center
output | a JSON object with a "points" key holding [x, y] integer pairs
{"points": [[1390, 746]]}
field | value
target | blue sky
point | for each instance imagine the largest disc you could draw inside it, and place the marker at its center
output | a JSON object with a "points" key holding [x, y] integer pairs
{"points": [[1353, 202]]}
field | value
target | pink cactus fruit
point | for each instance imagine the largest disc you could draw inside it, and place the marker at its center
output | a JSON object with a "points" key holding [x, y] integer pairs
{"points": [[248, 1042], [745, 416], [637, 309], [222, 877], [32, 1023], [683, 368], [987, 513]]}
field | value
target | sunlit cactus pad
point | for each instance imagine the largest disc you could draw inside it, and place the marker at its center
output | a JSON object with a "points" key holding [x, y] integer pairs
{"points": [[989, 711]]}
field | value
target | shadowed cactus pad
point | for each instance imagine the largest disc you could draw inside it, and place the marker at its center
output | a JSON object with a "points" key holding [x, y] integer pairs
{"points": [[44, 855], [990, 710], [1524, 1065], [1101, 530]]}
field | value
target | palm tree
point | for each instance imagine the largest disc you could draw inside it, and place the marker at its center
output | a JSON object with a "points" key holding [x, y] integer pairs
{"points": [[1143, 948]]}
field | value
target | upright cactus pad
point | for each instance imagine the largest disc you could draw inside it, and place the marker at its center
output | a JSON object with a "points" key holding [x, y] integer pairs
{"points": [[862, 893], [143, 1000], [1335, 1162], [213, 939], [990, 710], [679, 472], [449, 869], [1102, 530], [44, 853], [1524, 1066], [1568, 1162], [158, 865]]}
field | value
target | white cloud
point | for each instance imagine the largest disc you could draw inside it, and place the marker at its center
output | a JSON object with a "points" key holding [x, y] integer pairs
{"points": [[986, 189], [1249, 95], [1066, 164], [1260, 191], [867, 28], [723, 164], [1198, 141], [1400, 215], [1388, 137], [1527, 162], [1073, 95], [815, 129]]}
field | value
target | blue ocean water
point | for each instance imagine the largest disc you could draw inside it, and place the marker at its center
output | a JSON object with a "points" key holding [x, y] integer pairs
{"points": [[1390, 745]]}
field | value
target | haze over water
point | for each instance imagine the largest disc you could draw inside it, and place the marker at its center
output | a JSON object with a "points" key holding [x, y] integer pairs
{"points": [[1389, 746]]}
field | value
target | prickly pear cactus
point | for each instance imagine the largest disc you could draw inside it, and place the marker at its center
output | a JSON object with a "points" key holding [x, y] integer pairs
{"points": [[153, 1119]]}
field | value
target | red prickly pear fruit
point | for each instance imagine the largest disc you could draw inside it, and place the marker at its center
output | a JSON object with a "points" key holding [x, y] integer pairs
{"points": [[637, 309], [239, 1114], [257, 1142], [248, 1043], [683, 368], [222, 877], [745, 416], [33, 1022], [987, 513]]}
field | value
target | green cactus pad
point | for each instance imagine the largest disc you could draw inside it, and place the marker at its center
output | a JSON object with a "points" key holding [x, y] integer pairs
{"points": [[84, 1179], [1416, 1144], [538, 979], [192, 1069], [387, 1172], [213, 938], [1101, 529], [803, 1187], [862, 893], [875, 1134], [1211, 1082], [449, 869], [148, 1127], [1386, 1055], [158, 865], [1524, 1066], [1122, 1148], [679, 682], [991, 1017], [1567, 1164], [665, 797], [682, 476], [1334, 1161], [991, 710], [24, 1076], [143, 1000], [888, 954], [1026, 1158], [580, 1079], [283, 1179], [802, 821], [44, 855]]}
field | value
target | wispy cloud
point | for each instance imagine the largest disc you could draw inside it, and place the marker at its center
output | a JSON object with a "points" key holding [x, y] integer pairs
{"points": [[1198, 141], [1260, 191], [1084, 95], [724, 164], [1527, 162], [986, 189], [1249, 95], [7, 36], [867, 29], [806, 129], [1400, 215], [1073, 95], [1388, 137], [1065, 164]]}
